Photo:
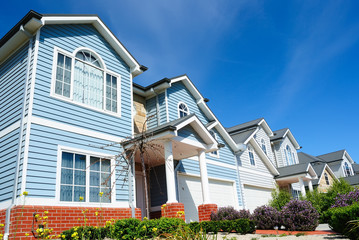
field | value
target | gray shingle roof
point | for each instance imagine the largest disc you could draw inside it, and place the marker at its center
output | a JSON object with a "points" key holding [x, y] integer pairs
{"points": [[318, 168], [243, 126], [242, 136], [355, 168], [353, 180], [292, 170], [278, 134], [333, 156], [307, 158]]}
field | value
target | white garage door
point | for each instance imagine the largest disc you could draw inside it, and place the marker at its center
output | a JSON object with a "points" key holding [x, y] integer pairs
{"points": [[255, 196], [221, 193]]}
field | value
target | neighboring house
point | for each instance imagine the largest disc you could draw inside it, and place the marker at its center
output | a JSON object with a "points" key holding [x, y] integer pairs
{"points": [[268, 158], [326, 176], [342, 165], [256, 163]]}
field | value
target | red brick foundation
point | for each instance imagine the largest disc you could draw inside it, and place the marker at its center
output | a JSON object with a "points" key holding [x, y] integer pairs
{"points": [[173, 210], [205, 210], [62, 218]]}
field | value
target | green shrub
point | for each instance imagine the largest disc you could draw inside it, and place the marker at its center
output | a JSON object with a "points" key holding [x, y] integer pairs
{"points": [[323, 201], [244, 226], [125, 229], [226, 225], [210, 226], [88, 232], [339, 217], [280, 198]]}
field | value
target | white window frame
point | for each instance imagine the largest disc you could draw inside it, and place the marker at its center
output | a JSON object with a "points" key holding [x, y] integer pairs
{"points": [[212, 154], [289, 154], [250, 150], [61, 149], [263, 143], [178, 109], [345, 164], [105, 71]]}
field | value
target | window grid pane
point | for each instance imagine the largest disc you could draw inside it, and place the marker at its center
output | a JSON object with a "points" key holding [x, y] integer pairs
{"points": [[63, 75], [111, 93]]}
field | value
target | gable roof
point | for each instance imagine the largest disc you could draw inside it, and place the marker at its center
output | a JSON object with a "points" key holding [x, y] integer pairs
{"points": [[249, 125], [32, 21], [243, 137], [353, 180], [200, 100], [319, 168], [296, 169], [307, 158], [282, 133], [336, 156]]}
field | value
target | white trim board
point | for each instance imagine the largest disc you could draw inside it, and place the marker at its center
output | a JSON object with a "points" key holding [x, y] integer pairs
{"points": [[9, 129], [74, 129]]}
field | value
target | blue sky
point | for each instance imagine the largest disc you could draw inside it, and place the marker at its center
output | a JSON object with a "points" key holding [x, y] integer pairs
{"points": [[295, 63]]}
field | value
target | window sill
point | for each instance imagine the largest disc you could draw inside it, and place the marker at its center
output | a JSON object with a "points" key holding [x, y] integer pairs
{"points": [[68, 100]]}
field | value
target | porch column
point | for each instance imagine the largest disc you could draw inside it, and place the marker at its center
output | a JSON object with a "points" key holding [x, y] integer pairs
{"points": [[310, 185], [302, 187], [170, 174], [204, 177]]}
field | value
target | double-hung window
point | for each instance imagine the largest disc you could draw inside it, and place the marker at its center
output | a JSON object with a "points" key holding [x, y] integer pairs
{"points": [[182, 110], [251, 156], [85, 176], [83, 79]]}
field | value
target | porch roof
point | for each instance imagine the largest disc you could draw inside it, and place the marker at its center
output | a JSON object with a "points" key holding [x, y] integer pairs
{"points": [[293, 172]]}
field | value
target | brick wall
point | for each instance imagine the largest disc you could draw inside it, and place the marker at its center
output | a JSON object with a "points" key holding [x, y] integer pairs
{"points": [[63, 218], [173, 210], [205, 210]]}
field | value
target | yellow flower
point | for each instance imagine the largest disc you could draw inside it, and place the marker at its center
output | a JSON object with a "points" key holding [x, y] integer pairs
{"points": [[96, 213], [45, 223], [46, 212], [1, 225], [144, 227], [25, 193], [154, 229], [45, 217], [145, 218], [37, 216], [63, 236], [81, 198], [100, 193]]}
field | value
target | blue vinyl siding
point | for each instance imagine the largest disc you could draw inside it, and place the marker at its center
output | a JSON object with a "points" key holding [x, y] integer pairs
{"points": [[190, 133], [9, 150], [226, 154], [158, 186], [70, 37], [162, 107], [151, 113], [12, 79], [179, 93], [42, 160]]}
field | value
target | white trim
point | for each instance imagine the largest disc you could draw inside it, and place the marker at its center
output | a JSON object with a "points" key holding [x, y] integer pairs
{"points": [[158, 115], [29, 114], [103, 30], [215, 137], [251, 136], [190, 142], [5, 204], [260, 187], [104, 70], [10, 128], [166, 101], [212, 125], [178, 110], [61, 149], [74, 129], [132, 102], [216, 163]]}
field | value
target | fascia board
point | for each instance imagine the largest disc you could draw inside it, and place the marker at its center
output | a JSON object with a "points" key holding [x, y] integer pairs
{"points": [[266, 127], [103, 29], [212, 125], [199, 128], [260, 152], [348, 157], [19, 38], [310, 170], [330, 171], [294, 141], [203, 106]]}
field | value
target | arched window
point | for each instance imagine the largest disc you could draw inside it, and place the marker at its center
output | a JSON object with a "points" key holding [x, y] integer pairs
{"points": [[182, 110], [83, 78], [288, 156], [347, 169], [326, 179], [251, 156], [263, 146]]}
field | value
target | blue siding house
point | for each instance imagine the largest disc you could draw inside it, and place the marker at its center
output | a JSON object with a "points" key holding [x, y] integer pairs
{"points": [[67, 102]]}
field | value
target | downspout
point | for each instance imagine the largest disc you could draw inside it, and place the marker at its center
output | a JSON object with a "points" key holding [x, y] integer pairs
{"points": [[131, 188], [16, 178], [242, 148]]}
